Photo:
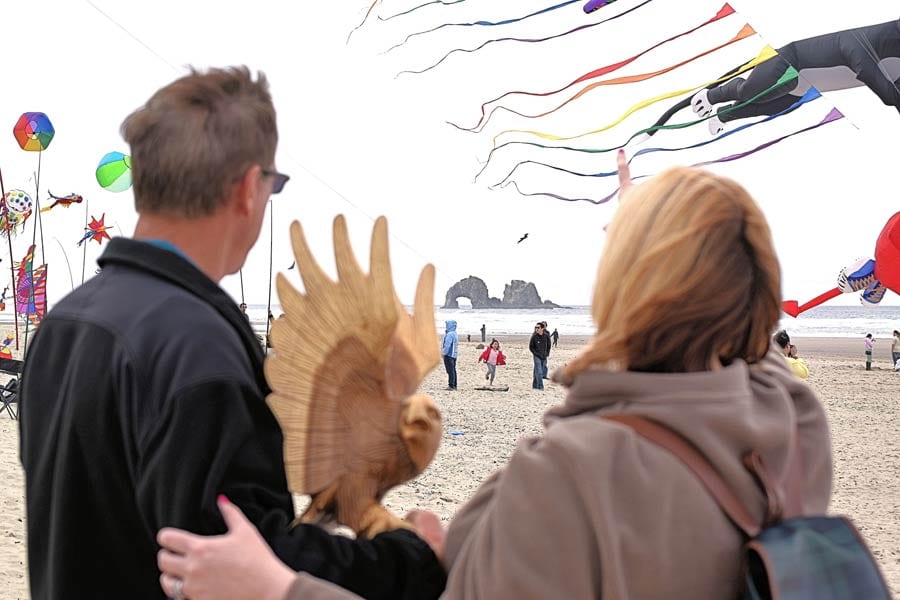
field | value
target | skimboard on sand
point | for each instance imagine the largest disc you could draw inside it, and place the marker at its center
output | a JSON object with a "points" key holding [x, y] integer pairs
{"points": [[493, 388]]}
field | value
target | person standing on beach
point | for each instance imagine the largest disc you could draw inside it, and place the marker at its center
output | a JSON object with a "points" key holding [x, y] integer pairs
{"points": [[244, 311], [555, 336], [483, 333], [895, 348], [798, 367], [547, 358], [870, 346], [144, 397], [450, 350], [492, 357], [539, 346]]}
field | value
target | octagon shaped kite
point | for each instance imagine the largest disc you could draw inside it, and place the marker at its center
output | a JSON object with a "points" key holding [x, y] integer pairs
{"points": [[33, 131]]}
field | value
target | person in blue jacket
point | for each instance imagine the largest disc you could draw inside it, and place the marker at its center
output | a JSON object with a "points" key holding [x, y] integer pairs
{"points": [[449, 350]]}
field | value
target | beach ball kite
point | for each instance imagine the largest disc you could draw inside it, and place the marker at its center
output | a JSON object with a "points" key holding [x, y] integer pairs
{"points": [[33, 131], [114, 172]]}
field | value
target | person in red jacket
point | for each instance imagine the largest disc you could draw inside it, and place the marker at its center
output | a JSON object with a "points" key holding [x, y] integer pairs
{"points": [[492, 356]]}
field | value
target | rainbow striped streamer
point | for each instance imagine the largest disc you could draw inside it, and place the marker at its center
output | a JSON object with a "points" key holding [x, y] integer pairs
{"points": [[789, 75], [743, 34], [833, 115], [724, 12], [765, 54], [809, 96]]}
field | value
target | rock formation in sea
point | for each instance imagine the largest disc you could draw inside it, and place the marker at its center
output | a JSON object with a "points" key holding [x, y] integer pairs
{"points": [[516, 294]]}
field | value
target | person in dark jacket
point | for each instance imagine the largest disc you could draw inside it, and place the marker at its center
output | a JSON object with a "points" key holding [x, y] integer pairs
{"points": [[539, 345], [549, 345], [145, 389]]}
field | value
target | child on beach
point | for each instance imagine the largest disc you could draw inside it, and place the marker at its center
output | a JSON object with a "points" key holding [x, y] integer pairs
{"points": [[492, 357], [870, 345]]}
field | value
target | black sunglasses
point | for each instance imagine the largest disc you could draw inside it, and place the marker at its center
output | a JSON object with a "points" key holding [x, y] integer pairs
{"points": [[280, 180]]}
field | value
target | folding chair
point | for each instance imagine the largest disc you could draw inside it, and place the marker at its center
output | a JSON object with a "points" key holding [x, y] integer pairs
{"points": [[9, 393]]}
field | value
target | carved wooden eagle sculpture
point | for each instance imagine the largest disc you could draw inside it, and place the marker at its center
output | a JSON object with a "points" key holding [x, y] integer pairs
{"points": [[347, 362]]}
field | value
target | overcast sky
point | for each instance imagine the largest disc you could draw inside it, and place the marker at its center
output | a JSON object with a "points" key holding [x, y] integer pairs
{"points": [[359, 142]]}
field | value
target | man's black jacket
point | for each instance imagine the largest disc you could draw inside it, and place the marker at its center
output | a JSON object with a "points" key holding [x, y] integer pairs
{"points": [[539, 345], [143, 400]]}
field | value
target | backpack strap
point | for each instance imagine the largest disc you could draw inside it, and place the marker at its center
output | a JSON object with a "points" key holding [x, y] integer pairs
{"points": [[692, 458]]}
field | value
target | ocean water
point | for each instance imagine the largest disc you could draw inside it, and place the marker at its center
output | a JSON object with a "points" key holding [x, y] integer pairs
{"points": [[823, 321]]}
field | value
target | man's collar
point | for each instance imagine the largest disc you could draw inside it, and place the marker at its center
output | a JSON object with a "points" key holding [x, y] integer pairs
{"points": [[165, 245]]}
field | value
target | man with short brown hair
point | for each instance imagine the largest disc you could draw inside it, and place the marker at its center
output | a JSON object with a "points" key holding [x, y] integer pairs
{"points": [[145, 389]]}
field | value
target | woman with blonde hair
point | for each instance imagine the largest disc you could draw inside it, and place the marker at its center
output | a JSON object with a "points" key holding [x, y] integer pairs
{"points": [[686, 296]]}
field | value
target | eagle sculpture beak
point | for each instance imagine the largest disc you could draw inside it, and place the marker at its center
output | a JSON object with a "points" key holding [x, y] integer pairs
{"points": [[420, 429]]}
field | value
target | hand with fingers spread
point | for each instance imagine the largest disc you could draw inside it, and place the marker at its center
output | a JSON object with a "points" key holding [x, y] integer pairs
{"points": [[238, 565]]}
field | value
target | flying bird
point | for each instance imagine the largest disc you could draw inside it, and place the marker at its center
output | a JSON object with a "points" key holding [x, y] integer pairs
{"points": [[522, 239]]}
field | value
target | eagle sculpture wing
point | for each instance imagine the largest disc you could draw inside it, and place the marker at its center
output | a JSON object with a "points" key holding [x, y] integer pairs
{"points": [[347, 362]]}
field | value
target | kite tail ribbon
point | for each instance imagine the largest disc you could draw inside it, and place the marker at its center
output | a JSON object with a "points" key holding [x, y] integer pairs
{"points": [[724, 12], [792, 308]]}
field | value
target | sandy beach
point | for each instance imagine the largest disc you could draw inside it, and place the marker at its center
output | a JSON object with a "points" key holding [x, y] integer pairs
{"points": [[481, 430]]}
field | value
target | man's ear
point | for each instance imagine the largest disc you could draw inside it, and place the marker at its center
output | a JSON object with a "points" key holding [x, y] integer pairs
{"points": [[243, 192]]}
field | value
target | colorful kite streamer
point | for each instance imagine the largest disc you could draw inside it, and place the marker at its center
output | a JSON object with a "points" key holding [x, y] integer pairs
{"points": [[788, 75], [764, 55], [529, 40], [809, 96], [724, 12], [484, 23], [831, 117]]}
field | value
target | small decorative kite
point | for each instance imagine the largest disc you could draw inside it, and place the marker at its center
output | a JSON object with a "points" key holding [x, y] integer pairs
{"points": [[114, 172], [31, 288], [65, 201], [5, 350], [96, 231], [33, 131], [871, 277], [15, 208]]}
